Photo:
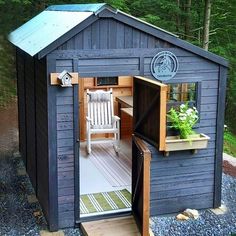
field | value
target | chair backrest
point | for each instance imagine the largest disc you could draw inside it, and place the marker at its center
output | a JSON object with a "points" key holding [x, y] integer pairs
{"points": [[100, 108]]}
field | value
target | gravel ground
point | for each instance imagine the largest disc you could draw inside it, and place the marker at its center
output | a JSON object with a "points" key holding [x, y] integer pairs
{"points": [[208, 223], [18, 217]]}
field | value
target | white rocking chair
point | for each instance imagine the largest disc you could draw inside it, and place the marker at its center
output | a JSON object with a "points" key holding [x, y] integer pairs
{"points": [[100, 118]]}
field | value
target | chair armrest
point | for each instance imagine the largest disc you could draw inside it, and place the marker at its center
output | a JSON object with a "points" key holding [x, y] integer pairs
{"points": [[88, 119], [115, 118]]}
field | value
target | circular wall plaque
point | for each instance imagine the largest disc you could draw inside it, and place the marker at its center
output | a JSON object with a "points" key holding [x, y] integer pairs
{"points": [[164, 65]]}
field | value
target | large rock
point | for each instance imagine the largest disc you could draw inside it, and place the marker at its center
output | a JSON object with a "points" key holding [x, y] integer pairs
{"points": [[191, 213]]}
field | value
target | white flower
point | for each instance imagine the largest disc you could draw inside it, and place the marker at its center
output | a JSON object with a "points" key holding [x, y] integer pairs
{"points": [[182, 118], [189, 111]]}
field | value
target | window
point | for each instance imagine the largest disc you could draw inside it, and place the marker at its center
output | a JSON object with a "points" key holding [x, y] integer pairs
{"points": [[180, 93], [103, 81]]}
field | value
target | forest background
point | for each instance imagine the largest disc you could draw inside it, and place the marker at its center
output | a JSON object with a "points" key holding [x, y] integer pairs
{"points": [[184, 18]]}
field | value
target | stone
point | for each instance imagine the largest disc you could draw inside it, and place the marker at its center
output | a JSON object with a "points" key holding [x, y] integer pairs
{"points": [[220, 210], [191, 213], [16, 154], [151, 222], [37, 213], [151, 233], [182, 217], [32, 198], [21, 171]]}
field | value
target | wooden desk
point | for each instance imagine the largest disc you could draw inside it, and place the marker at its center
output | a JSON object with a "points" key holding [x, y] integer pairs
{"points": [[125, 105], [128, 110], [125, 101]]}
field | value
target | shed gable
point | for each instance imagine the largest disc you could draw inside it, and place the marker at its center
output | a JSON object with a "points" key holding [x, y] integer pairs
{"points": [[108, 33]]}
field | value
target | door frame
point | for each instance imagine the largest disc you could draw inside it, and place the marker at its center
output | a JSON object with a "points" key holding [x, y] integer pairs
{"points": [[146, 155], [78, 219]]}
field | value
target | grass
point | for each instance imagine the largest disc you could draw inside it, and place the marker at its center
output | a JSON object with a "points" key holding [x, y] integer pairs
{"points": [[230, 143], [7, 73], [8, 91]]}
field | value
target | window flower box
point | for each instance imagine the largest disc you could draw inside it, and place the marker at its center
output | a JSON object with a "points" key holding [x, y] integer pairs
{"points": [[193, 142]]}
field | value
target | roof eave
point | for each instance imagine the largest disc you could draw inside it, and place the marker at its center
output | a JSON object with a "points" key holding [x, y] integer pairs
{"points": [[133, 22], [170, 38]]}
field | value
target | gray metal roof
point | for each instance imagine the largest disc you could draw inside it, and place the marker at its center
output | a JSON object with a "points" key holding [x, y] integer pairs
{"points": [[46, 27], [54, 22], [77, 7]]}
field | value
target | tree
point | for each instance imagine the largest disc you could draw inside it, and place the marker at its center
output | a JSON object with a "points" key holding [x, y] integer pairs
{"points": [[188, 19], [206, 27]]}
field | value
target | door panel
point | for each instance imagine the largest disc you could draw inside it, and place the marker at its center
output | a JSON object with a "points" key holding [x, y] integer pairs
{"points": [[149, 115], [141, 158]]}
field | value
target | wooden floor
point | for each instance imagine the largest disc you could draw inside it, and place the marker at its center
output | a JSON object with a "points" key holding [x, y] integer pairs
{"points": [[103, 170], [122, 226]]}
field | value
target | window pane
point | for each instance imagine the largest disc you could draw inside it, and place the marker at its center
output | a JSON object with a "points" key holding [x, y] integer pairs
{"points": [[175, 92], [192, 92], [182, 92], [107, 81]]}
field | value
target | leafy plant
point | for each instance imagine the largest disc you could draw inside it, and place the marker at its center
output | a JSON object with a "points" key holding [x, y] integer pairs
{"points": [[183, 119], [230, 143]]}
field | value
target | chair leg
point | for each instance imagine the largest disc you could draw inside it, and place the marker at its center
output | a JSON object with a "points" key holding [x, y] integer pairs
{"points": [[117, 139], [88, 141]]}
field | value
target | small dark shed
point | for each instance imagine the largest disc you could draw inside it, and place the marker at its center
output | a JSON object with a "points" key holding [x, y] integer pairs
{"points": [[98, 47]]}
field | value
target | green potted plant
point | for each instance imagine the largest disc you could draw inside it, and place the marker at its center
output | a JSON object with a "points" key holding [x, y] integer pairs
{"points": [[183, 119]]}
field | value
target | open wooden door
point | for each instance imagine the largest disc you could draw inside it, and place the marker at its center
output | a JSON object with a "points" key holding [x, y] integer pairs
{"points": [[149, 111], [141, 158], [149, 122]]}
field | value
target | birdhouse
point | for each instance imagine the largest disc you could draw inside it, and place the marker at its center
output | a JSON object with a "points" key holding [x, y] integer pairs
{"points": [[65, 78]]}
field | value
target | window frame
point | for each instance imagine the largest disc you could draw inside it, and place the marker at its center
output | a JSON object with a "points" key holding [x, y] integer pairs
{"points": [[197, 100], [104, 77]]}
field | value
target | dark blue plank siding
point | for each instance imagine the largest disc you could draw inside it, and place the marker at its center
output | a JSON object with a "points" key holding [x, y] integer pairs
{"points": [[31, 154], [41, 117], [111, 48], [21, 103], [111, 34], [65, 149], [200, 164]]}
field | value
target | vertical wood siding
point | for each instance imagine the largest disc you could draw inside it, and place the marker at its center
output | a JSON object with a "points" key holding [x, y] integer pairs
{"points": [[184, 180], [109, 48], [42, 135], [21, 103], [26, 106], [33, 123], [30, 119], [111, 34], [65, 149]]}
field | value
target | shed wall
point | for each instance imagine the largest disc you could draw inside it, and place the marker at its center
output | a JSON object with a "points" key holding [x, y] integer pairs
{"points": [[21, 102], [66, 155], [184, 180], [41, 116], [26, 111], [30, 119], [33, 123], [62, 115], [180, 181]]}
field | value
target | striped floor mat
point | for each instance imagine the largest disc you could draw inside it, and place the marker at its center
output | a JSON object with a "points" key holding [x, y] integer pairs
{"points": [[107, 201]]}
